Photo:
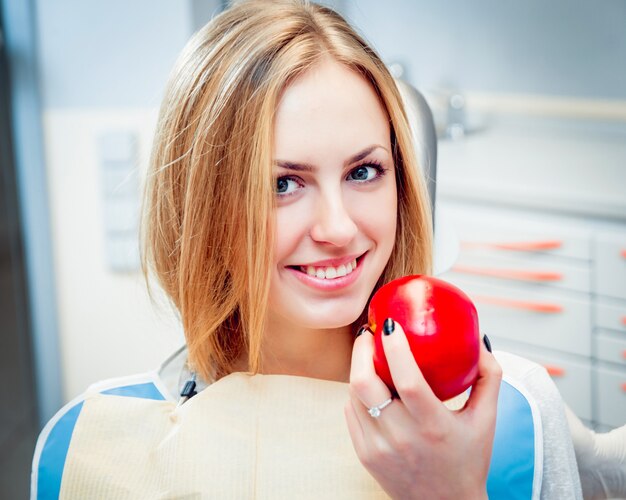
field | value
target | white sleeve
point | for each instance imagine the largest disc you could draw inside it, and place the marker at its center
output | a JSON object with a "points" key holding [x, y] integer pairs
{"points": [[601, 459]]}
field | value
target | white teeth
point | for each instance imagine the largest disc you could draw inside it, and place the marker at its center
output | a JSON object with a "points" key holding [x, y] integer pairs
{"points": [[329, 273]]}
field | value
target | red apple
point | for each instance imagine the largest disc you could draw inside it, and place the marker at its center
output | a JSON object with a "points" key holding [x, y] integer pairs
{"points": [[441, 325]]}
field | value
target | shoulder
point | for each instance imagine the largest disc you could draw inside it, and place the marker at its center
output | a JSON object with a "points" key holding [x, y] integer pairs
{"points": [[55, 438], [517, 367], [533, 381], [555, 452]]}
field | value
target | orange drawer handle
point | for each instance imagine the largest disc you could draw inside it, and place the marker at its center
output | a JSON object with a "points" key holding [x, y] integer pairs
{"points": [[541, 307], [514, 274], [624, 253], [624, 354], [520, 246], [624, 387], [624, 320], [554, 371]]}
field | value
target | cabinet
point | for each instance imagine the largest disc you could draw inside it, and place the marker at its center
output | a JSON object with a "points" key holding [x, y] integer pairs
{"points": [[551, 288]]}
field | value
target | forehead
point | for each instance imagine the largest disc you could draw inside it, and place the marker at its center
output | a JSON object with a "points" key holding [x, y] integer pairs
{"points": [[328, 112]]}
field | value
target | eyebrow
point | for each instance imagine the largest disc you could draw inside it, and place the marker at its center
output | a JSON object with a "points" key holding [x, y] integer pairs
{"points": [[307, 167]]}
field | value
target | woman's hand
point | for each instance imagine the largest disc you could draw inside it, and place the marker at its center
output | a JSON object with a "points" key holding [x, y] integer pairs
{"points": [[418, 448]]}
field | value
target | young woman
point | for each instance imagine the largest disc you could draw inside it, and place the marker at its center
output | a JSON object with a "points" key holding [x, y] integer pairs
{"points": [[282, 192]]}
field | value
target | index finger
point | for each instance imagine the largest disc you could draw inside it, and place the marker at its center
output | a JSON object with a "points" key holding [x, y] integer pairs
{"points": [[414, 391]]}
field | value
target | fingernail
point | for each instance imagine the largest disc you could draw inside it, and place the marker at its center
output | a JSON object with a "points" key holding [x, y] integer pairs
{"points": [[388, 326], [487, 342], [361, 331]]}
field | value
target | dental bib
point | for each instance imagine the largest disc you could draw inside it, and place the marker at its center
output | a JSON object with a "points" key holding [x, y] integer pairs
{"points": [[247, 437], [261, 436]]}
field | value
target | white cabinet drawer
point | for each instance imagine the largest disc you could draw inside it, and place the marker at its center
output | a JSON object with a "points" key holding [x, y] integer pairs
{"points": [[610, 265], [610, 348], [572, 378], [547, 318], [510, 232], [611, 393], [539, 269], [610, 315]]}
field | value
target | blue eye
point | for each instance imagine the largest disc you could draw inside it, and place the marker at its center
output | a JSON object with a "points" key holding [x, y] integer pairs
{"points": [[366, 173], [286, 186]]}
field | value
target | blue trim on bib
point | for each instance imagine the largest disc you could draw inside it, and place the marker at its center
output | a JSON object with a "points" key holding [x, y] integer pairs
{"points": [[54, 452], [512, 468], [144, 391]]}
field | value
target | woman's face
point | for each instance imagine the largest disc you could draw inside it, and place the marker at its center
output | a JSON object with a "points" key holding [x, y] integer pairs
{"points": [[336, 198]]}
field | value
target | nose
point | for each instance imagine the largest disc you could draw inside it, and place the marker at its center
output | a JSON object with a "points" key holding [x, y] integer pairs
{"points": [[332, 221]]}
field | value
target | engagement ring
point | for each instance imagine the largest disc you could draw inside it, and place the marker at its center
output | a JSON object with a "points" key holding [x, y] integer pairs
{"points": [[375, 411]]}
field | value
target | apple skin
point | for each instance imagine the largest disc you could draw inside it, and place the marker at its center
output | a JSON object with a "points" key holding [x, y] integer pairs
{"points": [[441, 325]]}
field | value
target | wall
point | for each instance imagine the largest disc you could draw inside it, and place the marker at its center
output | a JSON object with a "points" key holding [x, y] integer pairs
{"points": [[103, 67], [562, 47], [112, 54]]}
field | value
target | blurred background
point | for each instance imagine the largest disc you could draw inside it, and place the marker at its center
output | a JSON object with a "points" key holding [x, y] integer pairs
{"points": [[529, 100]]}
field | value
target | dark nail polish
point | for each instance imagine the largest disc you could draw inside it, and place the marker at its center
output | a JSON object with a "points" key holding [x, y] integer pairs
{"points": [[487, 342], [361, 331], [388, 326]]}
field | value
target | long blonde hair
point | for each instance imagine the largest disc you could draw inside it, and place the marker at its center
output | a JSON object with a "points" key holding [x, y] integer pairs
{"points": [[207, 231]]}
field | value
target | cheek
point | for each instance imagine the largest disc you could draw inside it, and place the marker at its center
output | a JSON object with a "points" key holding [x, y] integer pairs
{"points": [[290, 229], [387, 213], [378, 216]]}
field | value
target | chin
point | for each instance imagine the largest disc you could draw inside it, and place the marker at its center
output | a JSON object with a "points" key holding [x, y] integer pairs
{"points": [[337, 323], [331, 319], [322, 315]]}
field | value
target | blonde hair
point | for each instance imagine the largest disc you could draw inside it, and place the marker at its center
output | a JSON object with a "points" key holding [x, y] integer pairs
{"points": [[207, 230]]}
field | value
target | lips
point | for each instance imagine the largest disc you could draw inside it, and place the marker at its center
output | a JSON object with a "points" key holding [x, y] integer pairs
{"points": [[330, 268], [328, 277]]}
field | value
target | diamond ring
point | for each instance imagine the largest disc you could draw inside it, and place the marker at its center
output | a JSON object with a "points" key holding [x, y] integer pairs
{"points": [[375, 411]]}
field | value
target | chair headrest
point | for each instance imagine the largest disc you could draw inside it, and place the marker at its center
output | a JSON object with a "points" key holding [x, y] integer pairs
{"points": [[424, 134], [446, 243]]}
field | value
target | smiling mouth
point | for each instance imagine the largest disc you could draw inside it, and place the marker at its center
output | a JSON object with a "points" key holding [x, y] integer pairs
{"points": [[329, 272]]}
